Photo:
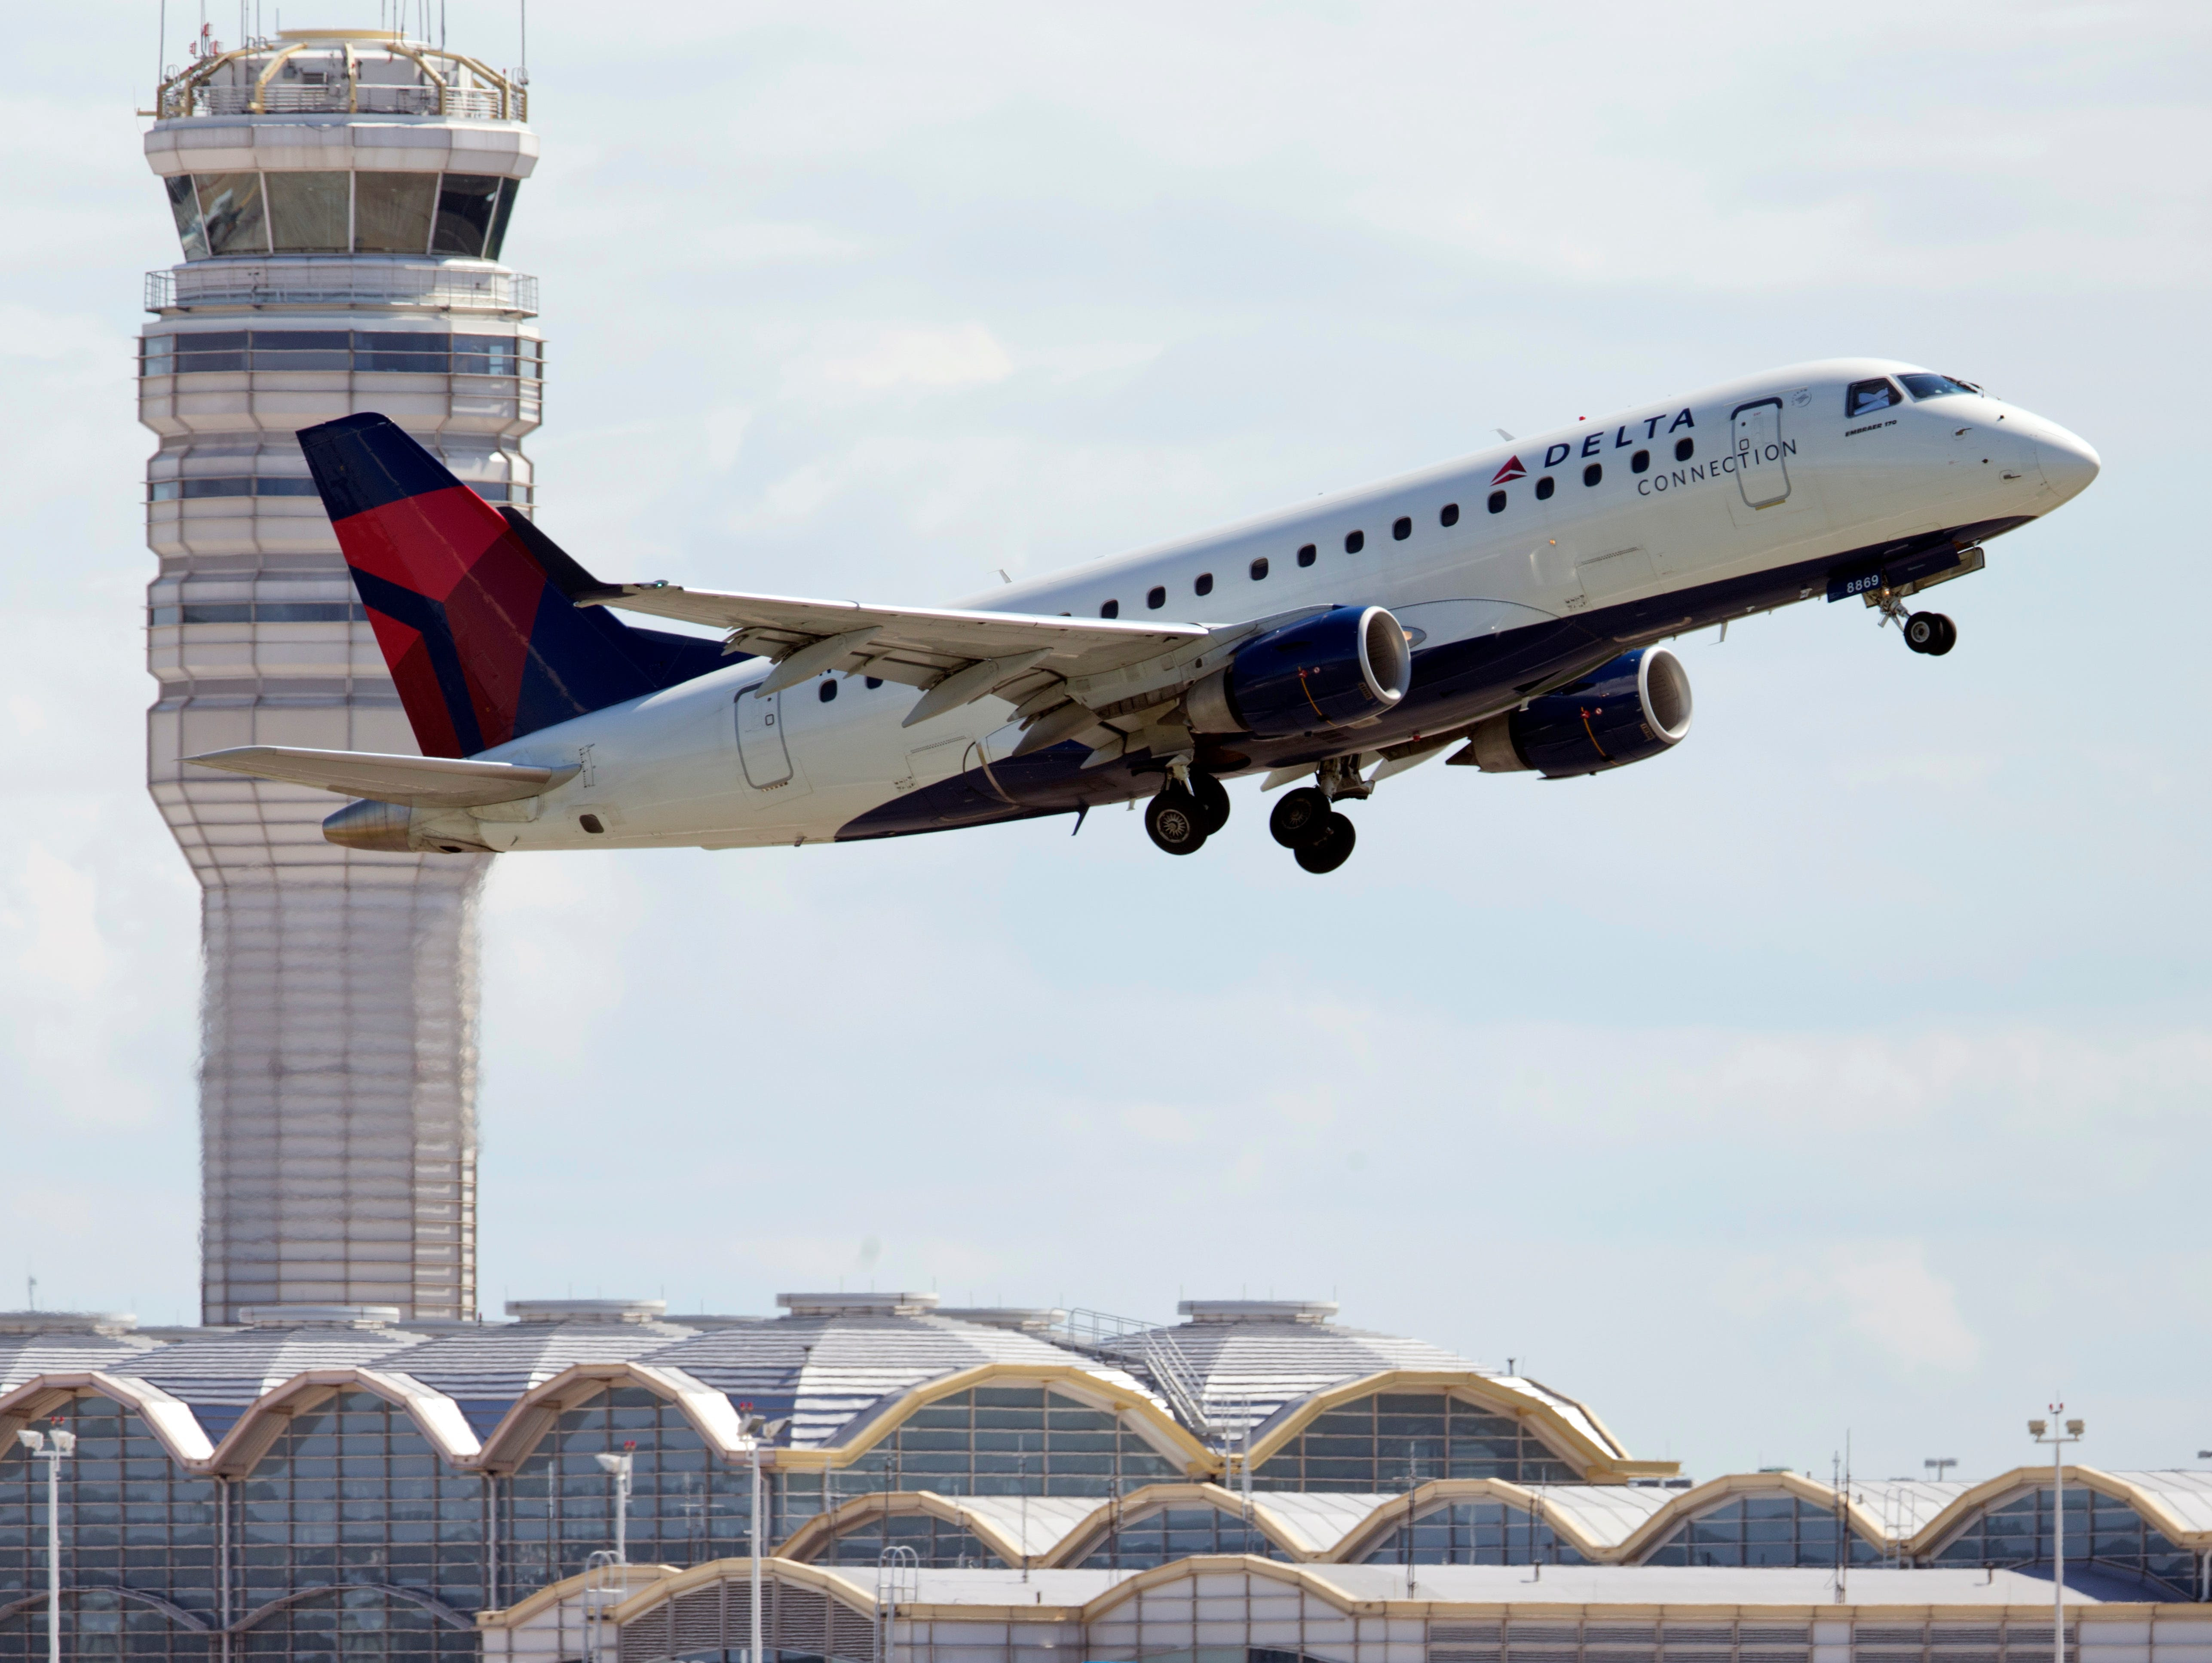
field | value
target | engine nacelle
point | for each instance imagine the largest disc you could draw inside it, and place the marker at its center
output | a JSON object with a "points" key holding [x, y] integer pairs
{"points": [[1634, 707], [1332, 670]]}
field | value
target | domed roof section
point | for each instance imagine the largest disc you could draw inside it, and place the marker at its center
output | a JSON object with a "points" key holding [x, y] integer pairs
{"points": [[486, 1367], [67, 1343], [836, 1357], [220, 1373]]}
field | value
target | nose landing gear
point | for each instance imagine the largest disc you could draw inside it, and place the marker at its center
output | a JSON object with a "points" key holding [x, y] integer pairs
{"points": [[1930, 633]]}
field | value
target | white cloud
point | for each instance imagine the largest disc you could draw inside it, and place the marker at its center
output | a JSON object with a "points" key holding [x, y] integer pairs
{"points": [[963, 357]]}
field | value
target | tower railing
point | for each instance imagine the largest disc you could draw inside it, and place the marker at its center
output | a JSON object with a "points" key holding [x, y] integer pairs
{"points": [[343, 280]]}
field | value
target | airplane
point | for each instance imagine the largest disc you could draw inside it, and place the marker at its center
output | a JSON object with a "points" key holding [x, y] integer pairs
{"points": [[1508, 607]]}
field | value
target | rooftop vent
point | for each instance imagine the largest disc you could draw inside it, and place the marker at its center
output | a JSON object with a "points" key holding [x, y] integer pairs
{"points": [[869, 1304], [67, 1322], [587, 1310], [1314, 1311], [1023, 1319], [318, 1316]]}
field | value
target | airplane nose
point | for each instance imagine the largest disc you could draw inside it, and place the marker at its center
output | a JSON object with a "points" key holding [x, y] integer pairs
{"points": [[2068, 463]]}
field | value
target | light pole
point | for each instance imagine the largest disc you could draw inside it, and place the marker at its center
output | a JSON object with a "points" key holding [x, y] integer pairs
{"points": [[2057, 1442], [53, 1446], [1941, 1465], [758, 1432], [618, 1468]]}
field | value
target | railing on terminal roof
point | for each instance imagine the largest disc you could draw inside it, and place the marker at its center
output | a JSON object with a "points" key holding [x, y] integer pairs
{"points": [[1105, 1335], [344, 282]]}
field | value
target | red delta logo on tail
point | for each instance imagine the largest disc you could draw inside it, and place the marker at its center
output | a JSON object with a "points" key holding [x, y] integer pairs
{"points": [[473, 608], [1512, 470]]}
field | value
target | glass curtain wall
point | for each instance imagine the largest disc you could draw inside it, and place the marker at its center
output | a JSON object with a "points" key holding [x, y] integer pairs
{"points": [[558, 1507], [130, 1518], [1474, 1533], [938, 1543], [357, 1626], [1394, 1441], [2100, 1530], [98, 1624], [1761, 1530], [350, 1492], [1176, 1533]]}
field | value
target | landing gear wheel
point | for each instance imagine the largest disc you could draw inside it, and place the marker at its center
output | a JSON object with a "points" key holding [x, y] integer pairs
{"points": [[1947, 638], [1212, 797], [1175, 822], [1330, 850], [1923, 632], [1301, 817]]}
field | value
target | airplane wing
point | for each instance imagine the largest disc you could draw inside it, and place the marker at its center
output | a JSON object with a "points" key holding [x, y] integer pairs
{"points": [[427, 782], [957, 656]]}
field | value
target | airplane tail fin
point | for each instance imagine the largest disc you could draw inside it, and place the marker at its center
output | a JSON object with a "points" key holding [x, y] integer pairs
{"points": [[472, 604]]}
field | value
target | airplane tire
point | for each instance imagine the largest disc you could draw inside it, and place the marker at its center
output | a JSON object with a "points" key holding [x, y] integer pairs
{"points": [[1923, 632], [1175, 822], [1326, 852], [1212, 798], [1948, 636], [1301, 817]]}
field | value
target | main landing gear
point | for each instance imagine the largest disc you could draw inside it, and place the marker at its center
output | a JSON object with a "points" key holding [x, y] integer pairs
{"points": [[1306, 822], [1181, 817]]}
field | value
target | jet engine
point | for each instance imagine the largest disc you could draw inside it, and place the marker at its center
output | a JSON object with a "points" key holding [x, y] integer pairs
{"points": [[1633, 707], [1331, 671]]}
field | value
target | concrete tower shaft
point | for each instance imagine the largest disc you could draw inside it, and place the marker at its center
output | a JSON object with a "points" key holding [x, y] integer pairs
{"points": [[342, 198]]}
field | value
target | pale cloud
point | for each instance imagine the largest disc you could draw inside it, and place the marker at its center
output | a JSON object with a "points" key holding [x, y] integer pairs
{"points": [[1883, 1291], [964, 356]]}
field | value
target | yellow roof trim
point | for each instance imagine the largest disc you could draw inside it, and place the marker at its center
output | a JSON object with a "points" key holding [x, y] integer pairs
{"points": [[2145, 1501], [171, 1420], [514, 1615]]}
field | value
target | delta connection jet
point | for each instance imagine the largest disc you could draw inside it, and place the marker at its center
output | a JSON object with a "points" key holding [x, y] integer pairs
{"points": [[1506, 608]]}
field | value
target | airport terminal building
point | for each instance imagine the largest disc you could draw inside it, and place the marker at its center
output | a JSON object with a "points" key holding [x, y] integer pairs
{"points": [[334, 1481]]}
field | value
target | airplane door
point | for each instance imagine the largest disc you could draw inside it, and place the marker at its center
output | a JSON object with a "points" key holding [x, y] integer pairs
{"points": [[1762, 467], [761, 750]]}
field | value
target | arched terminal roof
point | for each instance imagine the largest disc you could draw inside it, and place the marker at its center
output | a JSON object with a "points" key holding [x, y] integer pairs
{"points": [[837, 1363], [225, 1372]]}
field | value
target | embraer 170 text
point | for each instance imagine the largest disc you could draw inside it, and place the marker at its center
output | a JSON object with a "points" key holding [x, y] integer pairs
{"points": [[1505, 606]]}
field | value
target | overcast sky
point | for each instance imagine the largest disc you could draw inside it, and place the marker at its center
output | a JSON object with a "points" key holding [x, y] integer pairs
{"points": [[1844, 1070]]}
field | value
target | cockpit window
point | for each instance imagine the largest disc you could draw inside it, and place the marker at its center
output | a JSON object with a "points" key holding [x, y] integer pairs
{"points": [[1923, 385], [1863, 396]]}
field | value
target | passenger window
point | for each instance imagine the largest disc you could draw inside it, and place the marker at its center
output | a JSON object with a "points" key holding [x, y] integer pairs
{"points": [[1685, 449], [1111, 609], [1259, 568], [1593, 473], [1402, 527], [829, 691], [1354, 542], [874, 681], [1156, 598], [1306, 555], [1450, 515], [1864, 397], [590, 822], [1544, 487], [1205, 584], [1640, 462], [1498, 502]]}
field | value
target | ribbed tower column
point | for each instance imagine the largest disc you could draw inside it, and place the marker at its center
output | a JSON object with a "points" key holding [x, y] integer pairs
{"points": [[342, 198]]}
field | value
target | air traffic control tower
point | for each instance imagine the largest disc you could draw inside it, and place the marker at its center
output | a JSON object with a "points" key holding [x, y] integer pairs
{"points": [[342, 198]]}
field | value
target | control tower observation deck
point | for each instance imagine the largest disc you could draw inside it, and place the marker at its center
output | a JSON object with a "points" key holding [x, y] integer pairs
{"points": [[341, 199]]}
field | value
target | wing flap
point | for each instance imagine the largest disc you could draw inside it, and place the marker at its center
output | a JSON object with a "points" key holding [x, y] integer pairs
{"points": [[425, 782]]}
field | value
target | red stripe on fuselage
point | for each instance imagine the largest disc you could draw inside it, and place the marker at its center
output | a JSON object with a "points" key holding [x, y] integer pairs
{"points": [[451, 547]]}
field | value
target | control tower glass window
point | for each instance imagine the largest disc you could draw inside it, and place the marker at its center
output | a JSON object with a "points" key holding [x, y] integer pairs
{"points": [[230, 214], [307, 212], [466, 205], [186, 208], [392, 212]]}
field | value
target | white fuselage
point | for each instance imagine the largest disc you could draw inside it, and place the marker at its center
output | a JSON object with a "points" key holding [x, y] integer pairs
{"points": [[1778, 479]]}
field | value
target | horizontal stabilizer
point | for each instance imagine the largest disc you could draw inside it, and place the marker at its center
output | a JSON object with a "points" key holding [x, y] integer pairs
{"points": [[425, 782]]}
